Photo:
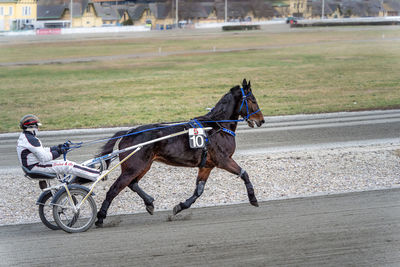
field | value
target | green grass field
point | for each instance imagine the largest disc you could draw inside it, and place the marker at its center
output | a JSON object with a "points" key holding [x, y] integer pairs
{"points": [[295, 72]]}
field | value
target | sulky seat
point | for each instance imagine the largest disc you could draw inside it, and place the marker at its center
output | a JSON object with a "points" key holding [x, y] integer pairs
{"points": [[37, 174]]}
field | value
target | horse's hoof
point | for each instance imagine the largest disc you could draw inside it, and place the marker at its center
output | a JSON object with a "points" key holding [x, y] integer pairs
{"points": [[255, 203], [99, 224], [150, 209], [177, 209]]}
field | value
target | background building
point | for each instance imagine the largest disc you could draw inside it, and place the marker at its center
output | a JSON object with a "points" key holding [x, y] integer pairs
{"points": [[161, 14], [17, 14]]}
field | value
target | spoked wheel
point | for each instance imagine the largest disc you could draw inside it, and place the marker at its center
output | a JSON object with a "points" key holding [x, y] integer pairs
{"points": [[71, 220], [46, 212]]}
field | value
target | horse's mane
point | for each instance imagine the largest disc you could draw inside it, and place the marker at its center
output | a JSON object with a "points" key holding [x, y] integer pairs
{"points": [[223, 109]]}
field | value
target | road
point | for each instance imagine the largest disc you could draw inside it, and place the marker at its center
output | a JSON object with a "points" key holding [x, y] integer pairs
{"points": [[282, 133], [355, 229]]}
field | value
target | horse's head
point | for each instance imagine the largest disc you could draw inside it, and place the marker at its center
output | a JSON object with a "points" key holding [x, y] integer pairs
{"points": [[249, 108]]}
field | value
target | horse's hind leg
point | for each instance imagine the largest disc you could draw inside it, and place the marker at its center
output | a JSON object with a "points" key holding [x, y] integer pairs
{"points": [[127, 176], [232, 167], [131, 170], [148, 200], [200, 184], [134, 186], [123, 180]]}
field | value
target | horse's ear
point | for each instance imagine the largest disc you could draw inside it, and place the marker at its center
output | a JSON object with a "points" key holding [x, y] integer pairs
{"points": [[244, 84], [249, 85]]}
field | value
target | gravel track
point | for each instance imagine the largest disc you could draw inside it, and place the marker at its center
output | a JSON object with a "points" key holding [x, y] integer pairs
{"points": [[275, 176]]}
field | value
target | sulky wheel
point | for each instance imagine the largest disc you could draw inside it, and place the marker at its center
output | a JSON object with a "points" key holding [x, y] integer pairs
{"points": [[71, 220], [46, 213]]}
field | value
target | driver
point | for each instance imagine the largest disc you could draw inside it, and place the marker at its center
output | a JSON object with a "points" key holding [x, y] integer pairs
{"points": [[35, 157]]}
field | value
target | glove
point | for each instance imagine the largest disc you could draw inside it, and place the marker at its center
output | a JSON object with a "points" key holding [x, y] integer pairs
{"points": [[62, 148]]}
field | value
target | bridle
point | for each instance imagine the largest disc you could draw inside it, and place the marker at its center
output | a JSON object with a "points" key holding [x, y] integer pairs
{"points": [[244, 101]]}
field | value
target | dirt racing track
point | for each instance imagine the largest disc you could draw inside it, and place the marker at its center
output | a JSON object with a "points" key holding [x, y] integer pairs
{"points": [[356, 229]]}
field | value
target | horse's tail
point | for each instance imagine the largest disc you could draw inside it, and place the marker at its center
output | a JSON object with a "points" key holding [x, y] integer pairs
{"points": [[109, 146]]}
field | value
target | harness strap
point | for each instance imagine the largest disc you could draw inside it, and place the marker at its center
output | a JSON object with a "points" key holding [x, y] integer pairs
{"points": [[195, 124], [198, 123], [254, 112], [228, 131], [203, 156]]}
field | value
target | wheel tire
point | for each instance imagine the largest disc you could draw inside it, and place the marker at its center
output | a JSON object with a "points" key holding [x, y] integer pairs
{"points": [[43, 211], [74, 222]]}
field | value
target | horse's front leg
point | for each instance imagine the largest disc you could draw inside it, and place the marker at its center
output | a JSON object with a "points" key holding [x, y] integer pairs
{"points": [[200, 184], [232, 167]]}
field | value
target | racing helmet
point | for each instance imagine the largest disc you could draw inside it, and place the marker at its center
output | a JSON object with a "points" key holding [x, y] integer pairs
{"points": [[29, 121]]}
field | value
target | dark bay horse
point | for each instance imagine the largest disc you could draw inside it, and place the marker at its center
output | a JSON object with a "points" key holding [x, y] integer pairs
{"points": [[239, 101]]}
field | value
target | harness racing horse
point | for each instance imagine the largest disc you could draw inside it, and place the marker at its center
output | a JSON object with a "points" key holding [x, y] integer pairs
{"points": [[223, 119]]}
